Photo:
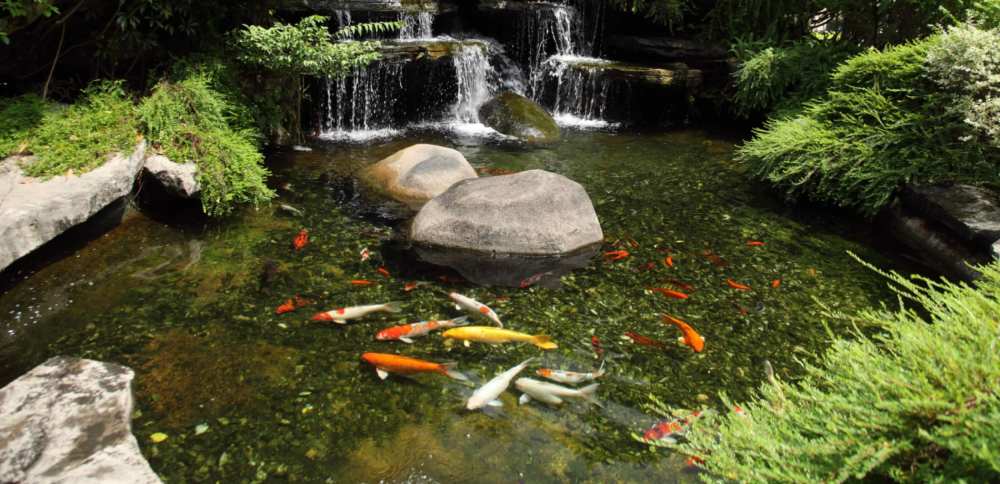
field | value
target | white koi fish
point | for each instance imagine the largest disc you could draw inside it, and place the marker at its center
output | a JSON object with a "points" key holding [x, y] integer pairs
{"points": [[474, 308], [341, 315], [552, 393], [488, 393], [570, 377], [406, 332]]}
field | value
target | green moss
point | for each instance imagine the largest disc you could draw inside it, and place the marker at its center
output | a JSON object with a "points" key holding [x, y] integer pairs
{"points": [[518, 116], [78, 138], [19, 117]]}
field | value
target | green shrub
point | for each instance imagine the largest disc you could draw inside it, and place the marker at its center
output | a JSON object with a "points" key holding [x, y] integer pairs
{"points": [[882, 123], [189, 122], [919, 402], [81, 136], [19, 117]]}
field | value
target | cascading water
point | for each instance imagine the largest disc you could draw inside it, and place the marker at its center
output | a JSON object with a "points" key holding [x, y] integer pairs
{"points": [[475, 81], [416, 26], [360, 106]]}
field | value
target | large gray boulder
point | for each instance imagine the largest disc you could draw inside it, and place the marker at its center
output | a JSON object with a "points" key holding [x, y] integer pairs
{"points": [[533, 212], [69, 421], [33, 211], [515, 115], [179, 179], [419, 173]]}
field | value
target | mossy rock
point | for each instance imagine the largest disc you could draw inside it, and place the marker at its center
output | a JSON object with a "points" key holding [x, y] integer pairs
{"points": [[520, 117]]}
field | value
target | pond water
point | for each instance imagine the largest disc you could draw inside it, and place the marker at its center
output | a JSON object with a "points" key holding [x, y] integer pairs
{"points": [[247, 395]]}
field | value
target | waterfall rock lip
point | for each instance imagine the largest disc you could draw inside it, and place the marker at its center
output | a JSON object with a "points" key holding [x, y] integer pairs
{"points": [[331, 6]]}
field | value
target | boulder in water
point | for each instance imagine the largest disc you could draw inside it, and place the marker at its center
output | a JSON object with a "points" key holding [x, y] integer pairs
{"points": [[70, 420], [520, 117], [533, 212], [179, 179], [419, 173]]}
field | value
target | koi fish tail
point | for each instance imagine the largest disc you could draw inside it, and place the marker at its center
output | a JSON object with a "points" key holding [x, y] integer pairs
{"points": [[460, 321], [451, 372], [589, 393], [600, 371], [393, 307], [543, 342]]}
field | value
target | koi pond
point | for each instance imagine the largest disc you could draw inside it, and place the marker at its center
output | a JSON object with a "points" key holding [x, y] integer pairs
{"points": [[246, 395]]}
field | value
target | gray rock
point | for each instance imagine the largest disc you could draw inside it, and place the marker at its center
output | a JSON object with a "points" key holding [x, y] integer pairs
{"points": [[938, 249], [178, 179], [332, 6], [34, 211], [69, 421], [534, 212], [515, 115], [972, 213], [646, 49], [418, 173]]}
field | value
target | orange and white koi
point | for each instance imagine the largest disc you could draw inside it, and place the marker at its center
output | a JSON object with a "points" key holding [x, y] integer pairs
{"points": [[690, 337], [301, 240], [365, 255], [385, 363], [342, 315], [669, 430], [407, 332], [474, 308], [735, 285], [570, 377]]}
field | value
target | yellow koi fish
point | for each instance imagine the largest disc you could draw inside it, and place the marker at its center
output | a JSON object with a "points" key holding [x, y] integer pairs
{"points": [[487, 334]]}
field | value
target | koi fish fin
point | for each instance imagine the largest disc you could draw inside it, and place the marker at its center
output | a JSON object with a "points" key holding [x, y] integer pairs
{"points": [[451, 372], [589, 393], [339, 321], [600, 371], [466, 343], [382, 373], [459, 321], [393, 307], [525, 398], [406, 340], [494, 403], [543, 342]]}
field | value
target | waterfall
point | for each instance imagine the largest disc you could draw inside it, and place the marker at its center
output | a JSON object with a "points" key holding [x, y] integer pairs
{"points": [[474, 80], [361, 105], [343, 18], [416, 26]]}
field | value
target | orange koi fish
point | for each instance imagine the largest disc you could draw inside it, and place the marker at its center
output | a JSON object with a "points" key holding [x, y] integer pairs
{"points": [[615, 255], [669, 261], [301, 240], [776, 283], [292, 304], [755, 243], [383, 271], [680, 285], [409, 286], [669, 292], [735, 285], [385, 363], [668, 430], [643, 340], [690, 337], [694, 461], [361, 282], [407, 332]]}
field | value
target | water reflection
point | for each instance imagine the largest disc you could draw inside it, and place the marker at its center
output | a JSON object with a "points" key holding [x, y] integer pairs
{"points": [[509, 270]]}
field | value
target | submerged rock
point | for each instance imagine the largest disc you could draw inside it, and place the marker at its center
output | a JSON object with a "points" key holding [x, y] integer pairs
{"points": [[179, 179], [533, 212], [35, 211], [69, 420], [515, 115], [419, 173]]}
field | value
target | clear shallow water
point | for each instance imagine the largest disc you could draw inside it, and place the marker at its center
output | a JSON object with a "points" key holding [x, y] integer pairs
{"points": [[279, 397]]}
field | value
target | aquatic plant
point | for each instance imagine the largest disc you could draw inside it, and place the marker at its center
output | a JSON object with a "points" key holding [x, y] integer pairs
{"points": [[917, 402], [190, 123]]}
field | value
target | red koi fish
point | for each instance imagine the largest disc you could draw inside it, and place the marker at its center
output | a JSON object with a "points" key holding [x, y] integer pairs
{"points": [[735, 285], [383, 271], [669, 261], [755, 243], [292, 304], [409, 286], [776, 283], [648, 267], [690, 337], [643, 340], [615, 255], [407, 332], [694, 461], [668, 430], [532, 280], [669, 292], [301, 240], [361, 282], [595, 343]]}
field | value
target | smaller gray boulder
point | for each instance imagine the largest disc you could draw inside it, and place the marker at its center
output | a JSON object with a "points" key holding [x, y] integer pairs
{"points": [[416, 174], [533, 212], [515, 115], [69, 420], [179, 179]]}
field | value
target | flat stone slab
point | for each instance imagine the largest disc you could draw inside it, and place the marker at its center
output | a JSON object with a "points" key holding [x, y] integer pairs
{"points": [[972, 213], [366, 5], [69, 420], [671, 75], [533, 212], [34, 211], [179, 179]]}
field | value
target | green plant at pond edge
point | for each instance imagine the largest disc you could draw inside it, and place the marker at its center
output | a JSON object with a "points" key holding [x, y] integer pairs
{"points": [[191, 123], [79, 137], [919, 402], [18, 119]]}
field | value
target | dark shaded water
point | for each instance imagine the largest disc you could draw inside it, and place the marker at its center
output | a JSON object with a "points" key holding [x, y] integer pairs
{"points": [[248, 395]]}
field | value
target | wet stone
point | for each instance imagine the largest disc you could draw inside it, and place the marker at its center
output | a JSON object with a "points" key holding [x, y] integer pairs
{"points": [[419, 173], [69, 420], [972, 213]]}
